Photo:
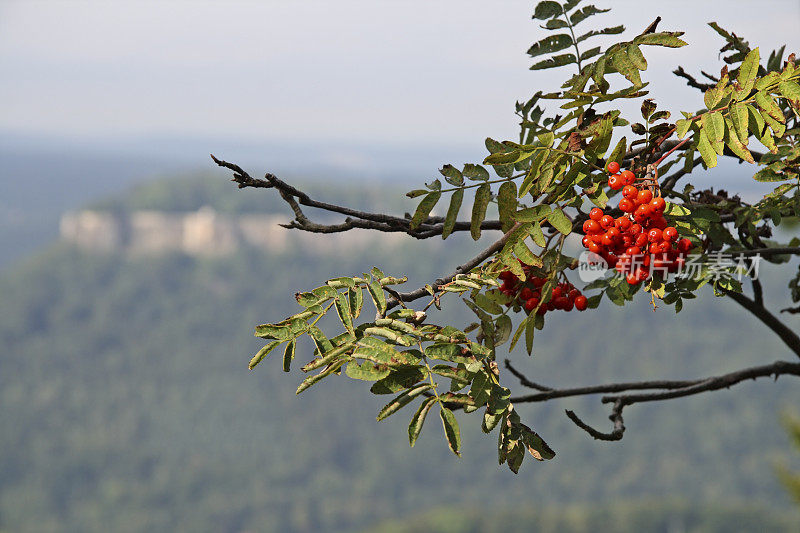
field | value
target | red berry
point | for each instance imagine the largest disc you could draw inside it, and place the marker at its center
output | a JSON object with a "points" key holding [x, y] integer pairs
{"points": [[623, 223], [585, 241], [613, 167], [626, 205], [684, 245], [591, 226], [581, 303], [641, 240], [538, 282], [615, 183], [561, 302], [525, 293], [644, 197], [632, 279], [630, 192], [654, 235], [531, 303], [506, 275], [556, 292], [633, 250], [607, 221], [627, 177], [596, 214], [670, 234], [658, 205]]}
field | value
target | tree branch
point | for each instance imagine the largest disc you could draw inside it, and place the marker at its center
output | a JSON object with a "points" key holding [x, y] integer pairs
{"points": [[615, 417], [788, 336], [462, 269], [668, 390], [294, 197]]}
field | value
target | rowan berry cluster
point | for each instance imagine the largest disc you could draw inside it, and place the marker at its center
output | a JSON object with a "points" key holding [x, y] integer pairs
{"points": [[528, 294], [640, 241]]}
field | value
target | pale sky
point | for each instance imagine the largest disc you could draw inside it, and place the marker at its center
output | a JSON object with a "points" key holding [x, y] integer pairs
{"points": [[437, 71]]}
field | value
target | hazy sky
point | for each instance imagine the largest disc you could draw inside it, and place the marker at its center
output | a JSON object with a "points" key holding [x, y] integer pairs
{"points": [[437, 71]]}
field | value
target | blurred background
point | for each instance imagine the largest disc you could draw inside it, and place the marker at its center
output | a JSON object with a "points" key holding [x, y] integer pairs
{"points": [[132, 273]]}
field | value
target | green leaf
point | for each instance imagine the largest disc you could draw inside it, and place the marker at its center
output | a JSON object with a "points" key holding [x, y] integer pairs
{"points": [[790, 90], [452, 175], [551, 43], [262, 353], [712, 97], [706, 151], [322, 342], [560, 221], [546, 10], [311, 380], [424, 209], [555, 61], [402, 400], [342, 304], [769, 106], [588, 54], [449, 352], [332, 355], [619, 151], [605, 31], [740, 118], [482, 197], [682, 126], [636, 57], [555, 24], [398, 380], [451, 430], [507, 204], [341, 283], [735, 145], [669, 39], [282, 332], [599, 71], [625, 66], [418, 420], [747, 74], [378, 297], [582, 14], [288, 355], [356, 297], [452, 212], [502, 329], [367, 371], [537, 447], [714, 128], [476, 172], [525, 255], [537, 235], [532, 214], [767, 174]]}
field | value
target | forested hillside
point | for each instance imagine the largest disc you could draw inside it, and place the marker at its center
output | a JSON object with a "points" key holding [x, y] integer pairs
{"points": [[126, 405]]}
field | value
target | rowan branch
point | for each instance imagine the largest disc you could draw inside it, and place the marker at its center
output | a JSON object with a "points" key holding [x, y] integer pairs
{"points": [[461, 269], [789, 337], [665, 390], [295, 198]]}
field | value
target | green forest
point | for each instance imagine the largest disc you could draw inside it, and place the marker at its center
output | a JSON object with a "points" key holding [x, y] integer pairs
{"points": [[126, 405]]}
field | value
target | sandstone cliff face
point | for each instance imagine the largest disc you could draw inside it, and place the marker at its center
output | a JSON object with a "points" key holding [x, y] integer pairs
{"points": [[204, 233]]}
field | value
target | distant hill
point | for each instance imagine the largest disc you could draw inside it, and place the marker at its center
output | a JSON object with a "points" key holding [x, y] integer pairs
{"points": [[126, 405]]}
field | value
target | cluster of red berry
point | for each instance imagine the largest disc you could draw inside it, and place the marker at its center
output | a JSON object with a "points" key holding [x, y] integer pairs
{"points": [[528, 294], [641, 240]]}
